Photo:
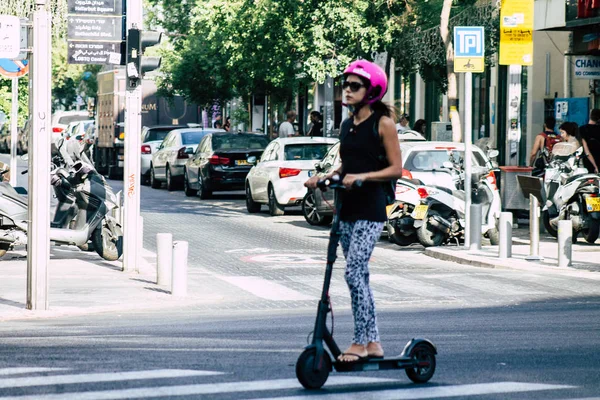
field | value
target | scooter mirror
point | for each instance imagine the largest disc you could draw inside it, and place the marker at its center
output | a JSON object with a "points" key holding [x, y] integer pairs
{"points": [[493, 153]]}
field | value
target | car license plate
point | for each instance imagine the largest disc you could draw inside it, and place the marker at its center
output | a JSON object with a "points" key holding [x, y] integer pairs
{"points": [[311, 173], [241, 162], [592, 203], [420, 211]]}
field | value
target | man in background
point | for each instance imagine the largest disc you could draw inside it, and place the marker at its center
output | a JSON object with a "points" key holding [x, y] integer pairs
{"points": [[591, 133], [286, 129], [402, 124], [317, 124]]}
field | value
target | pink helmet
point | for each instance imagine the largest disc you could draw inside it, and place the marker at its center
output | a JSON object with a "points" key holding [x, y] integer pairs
{"points": [[372, 73]]}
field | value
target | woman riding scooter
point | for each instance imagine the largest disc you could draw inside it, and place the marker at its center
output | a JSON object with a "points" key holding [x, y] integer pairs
{"points": [[363, 213]]}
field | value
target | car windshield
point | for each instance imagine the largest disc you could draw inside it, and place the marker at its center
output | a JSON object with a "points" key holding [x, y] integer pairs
{"points": [[155, 134], [67, 119], [239, 141], [188, 138], [427, 160], [306, 151]]}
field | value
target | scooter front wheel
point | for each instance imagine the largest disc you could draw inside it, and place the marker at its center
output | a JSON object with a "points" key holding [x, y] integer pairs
{"points": [[309, 376], [424, 358]]}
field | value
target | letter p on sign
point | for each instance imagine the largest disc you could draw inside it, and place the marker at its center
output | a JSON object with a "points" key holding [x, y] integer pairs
{"points": [[468, 41]]}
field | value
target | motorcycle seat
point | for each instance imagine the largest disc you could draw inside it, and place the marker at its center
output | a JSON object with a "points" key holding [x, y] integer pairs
{"points": [[7, 190]]}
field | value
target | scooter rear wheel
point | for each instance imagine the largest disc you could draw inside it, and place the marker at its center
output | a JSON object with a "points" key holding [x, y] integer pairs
{"points": [[424, 356], [307, 375]]}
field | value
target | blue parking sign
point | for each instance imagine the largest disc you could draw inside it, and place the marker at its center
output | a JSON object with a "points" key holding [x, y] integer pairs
{"points": [[468, 41]]}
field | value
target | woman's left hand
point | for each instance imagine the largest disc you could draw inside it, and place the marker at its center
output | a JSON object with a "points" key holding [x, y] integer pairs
{"points": [[350, 179]]}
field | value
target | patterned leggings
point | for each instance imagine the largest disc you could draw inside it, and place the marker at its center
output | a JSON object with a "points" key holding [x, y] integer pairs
{"points": [[358, 241]]}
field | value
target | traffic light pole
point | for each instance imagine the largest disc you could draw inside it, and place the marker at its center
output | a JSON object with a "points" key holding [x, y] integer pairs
{"points": [[131, 176], [38, 234]]}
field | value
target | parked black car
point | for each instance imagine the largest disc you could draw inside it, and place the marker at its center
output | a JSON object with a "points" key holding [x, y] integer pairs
{"points": [[220, 162]]}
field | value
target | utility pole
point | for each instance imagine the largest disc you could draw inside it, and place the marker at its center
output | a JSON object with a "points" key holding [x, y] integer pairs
{"points": [[38, 242], [133, 129], [136, 65]]}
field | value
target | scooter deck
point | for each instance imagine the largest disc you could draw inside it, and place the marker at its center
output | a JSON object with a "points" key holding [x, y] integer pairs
{"points": [[375, 364]]}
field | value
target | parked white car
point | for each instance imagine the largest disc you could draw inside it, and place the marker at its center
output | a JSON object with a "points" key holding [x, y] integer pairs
{"points": [[62, 119], [169, 160], [278, 178], [425, 160], [152, 137]]}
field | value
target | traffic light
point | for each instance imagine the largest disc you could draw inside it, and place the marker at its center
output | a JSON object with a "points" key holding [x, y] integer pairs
{"points": [[137, 64]]}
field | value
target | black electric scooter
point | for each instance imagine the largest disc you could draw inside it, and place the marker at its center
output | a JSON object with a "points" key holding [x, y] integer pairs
{"points": [[315, 363]]}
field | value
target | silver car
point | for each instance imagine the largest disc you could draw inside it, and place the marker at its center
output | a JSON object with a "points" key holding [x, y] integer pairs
{"points": [[169, 160], [152, 137]]}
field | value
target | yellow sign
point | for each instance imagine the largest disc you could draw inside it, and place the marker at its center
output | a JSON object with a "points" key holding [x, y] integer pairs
{"points": [[468, 64], [516, 32]]}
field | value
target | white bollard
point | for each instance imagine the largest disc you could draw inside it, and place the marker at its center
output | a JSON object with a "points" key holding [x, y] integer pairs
{"points": [[180, 266], [505, 231], [164, 258], [475, 223], [565, 243], [534, 230]]}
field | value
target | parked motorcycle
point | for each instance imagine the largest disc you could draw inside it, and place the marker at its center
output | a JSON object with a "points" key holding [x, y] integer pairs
{"points": [[86, 203], [400, 223], [440, 214], [571, 193]]}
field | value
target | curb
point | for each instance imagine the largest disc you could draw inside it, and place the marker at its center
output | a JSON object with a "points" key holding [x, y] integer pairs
{"points": [[515, 263]]}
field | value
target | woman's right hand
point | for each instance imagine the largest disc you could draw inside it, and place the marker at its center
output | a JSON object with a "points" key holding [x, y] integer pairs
{"points": [[311, 183]]}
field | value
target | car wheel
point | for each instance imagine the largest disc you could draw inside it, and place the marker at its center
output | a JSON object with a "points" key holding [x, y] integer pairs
{"points": [[153, 182], [169, 177], [251, 205], [274, 208], [203, 192], [309, 210], [186, 185]]}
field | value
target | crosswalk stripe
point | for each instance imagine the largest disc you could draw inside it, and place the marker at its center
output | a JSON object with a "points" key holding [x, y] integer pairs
{"points": [[433, 392], [417, 287], [101, 377], [189, 390], [26, 370], [265, 289]]}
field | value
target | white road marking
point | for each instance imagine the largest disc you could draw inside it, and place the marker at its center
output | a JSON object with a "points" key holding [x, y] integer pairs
{"points": [[417, 287], [101, 377], [189, 390], [26, 370], [265, 289], [433, 392]]}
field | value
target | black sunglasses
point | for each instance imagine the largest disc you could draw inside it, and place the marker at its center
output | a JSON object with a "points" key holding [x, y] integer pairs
{"points": [[354, 86]]}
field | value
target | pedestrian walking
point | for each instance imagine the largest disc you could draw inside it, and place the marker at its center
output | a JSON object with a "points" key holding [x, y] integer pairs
{"points": [[542, 146], [218, 122], [591, 133], [286, 129], [570, 134], [316, 128], [370, 153]]}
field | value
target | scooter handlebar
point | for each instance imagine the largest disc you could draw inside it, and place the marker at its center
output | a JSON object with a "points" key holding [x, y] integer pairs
{"points": [[335, 182]]}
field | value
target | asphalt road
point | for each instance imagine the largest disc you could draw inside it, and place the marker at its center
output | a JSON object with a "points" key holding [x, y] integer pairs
{"points": [[501, 334]]}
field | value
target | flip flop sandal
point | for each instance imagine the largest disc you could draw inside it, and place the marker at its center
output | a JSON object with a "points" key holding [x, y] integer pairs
{"points": [[358, 358]]}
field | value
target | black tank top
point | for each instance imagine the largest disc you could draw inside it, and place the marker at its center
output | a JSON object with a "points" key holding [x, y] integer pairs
{"points": [[360, 146]]}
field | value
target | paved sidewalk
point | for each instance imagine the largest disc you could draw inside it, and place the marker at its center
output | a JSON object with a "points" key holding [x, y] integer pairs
{"points": [[585, 257], [83, 283]]}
